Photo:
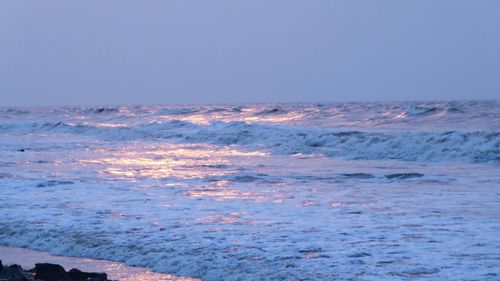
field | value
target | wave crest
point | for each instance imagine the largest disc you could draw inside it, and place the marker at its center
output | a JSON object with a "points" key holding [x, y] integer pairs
{"points": [[479, 146]]}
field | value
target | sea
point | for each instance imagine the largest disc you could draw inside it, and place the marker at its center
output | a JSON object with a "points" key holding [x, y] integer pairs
{"points": [[313, 191]]}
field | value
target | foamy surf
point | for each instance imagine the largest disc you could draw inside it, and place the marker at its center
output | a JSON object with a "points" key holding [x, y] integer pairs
{"points": [[370, 191]]}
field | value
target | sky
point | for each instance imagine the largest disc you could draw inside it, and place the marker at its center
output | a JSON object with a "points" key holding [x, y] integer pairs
{"points": [[188, 51]]}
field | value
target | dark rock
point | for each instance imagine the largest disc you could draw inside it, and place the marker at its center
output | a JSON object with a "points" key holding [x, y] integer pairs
{"points": [[77, 275], [13, 273], [98, 276], [50, 272], [21, 150], [47, 272]]}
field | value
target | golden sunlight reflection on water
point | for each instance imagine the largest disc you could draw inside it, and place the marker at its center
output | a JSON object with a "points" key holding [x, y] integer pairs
{"points": [[246, 115], [221, 190], [169, 161]]}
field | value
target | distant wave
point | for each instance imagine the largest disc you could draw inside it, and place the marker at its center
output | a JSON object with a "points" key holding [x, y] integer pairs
{"points": [[479, 146], [176, 111], [430, 110], [272, 111], [421, 110], [16, 111], [100, 110]]}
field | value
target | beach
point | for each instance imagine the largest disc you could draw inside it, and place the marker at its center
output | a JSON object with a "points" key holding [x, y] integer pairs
{"points": [[115, 271]]}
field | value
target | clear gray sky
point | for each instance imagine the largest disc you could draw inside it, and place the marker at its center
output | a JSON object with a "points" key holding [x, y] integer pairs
{"points": [[183, 51]]}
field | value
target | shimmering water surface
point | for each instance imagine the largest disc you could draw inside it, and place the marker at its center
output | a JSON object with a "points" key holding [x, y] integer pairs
{"points": [[362, 191]]}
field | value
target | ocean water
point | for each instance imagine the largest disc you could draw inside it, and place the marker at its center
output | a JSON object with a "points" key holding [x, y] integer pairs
{"points": [[331, 191]]}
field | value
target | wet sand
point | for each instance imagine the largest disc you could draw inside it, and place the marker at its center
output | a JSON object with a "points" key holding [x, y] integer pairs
{"points": [[115, 270]]}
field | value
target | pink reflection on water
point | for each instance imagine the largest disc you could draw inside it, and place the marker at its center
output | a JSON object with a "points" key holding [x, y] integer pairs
{"points": [[168, 161]]}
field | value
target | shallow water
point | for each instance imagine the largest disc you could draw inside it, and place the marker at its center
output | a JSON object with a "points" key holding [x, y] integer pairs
{"points": [[367, 191]]}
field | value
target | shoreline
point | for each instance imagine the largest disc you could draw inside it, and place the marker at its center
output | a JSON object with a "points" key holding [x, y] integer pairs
{"points": [[115, 270]]}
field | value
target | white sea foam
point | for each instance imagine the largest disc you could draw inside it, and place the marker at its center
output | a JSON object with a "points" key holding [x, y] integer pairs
{"points": [[478, 146], [252, 192]]}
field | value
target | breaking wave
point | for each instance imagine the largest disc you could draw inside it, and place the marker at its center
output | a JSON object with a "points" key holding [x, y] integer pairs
{"points": [[478, 146], [421, 110]]}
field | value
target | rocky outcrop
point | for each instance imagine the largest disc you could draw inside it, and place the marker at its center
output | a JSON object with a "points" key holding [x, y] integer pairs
{"points": [[47, 272], [14, 273]]}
